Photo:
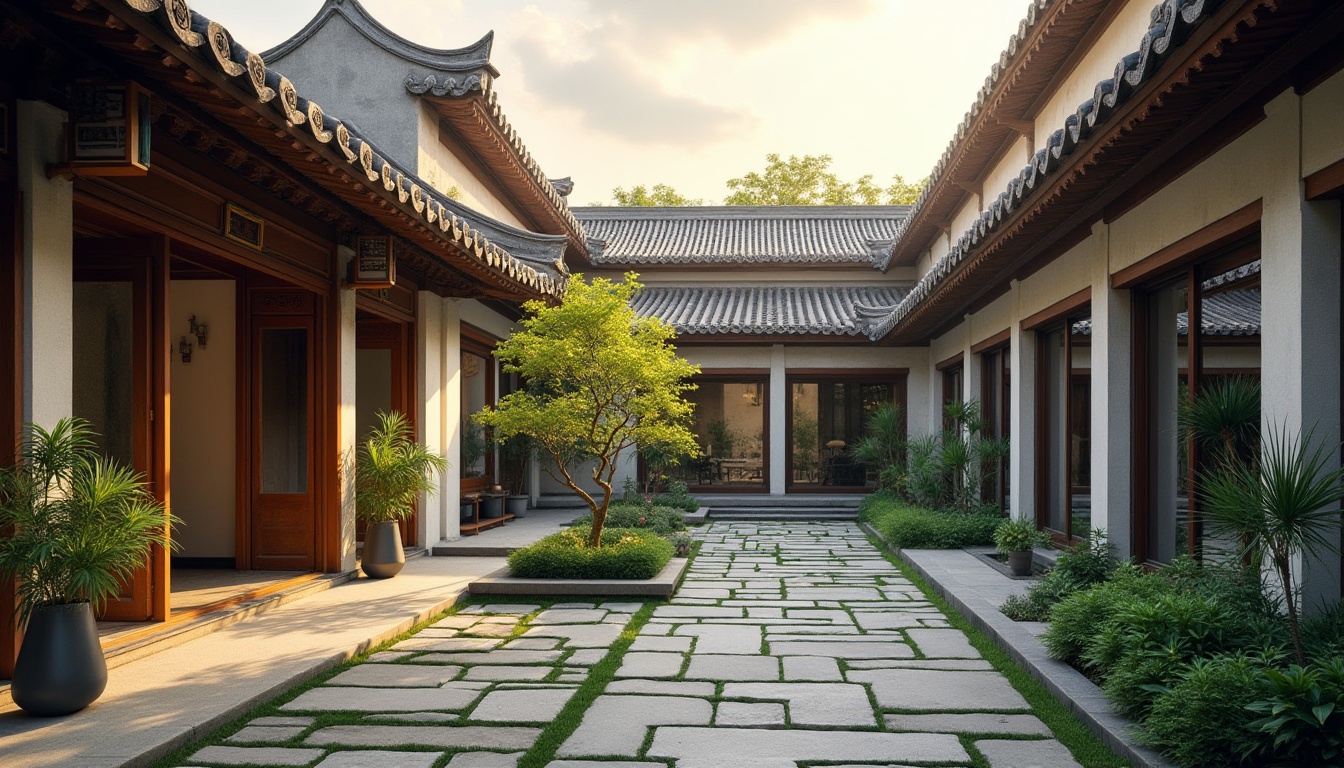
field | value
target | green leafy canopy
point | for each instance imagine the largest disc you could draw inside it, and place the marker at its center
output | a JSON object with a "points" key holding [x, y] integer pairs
{"points": [[600, 380]]}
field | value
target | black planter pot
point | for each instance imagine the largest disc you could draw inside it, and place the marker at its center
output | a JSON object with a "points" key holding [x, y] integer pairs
{"points": [[516, 506], [467, 512], [1020, 563], [492, 507], [60, 669], [383, 553]]}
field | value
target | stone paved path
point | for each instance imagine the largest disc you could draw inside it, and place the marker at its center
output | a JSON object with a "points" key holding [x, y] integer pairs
{"points": [[787, 643]]}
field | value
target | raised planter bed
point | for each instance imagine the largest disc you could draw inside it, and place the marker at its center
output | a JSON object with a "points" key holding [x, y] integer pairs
{"points": [[660, 586]]}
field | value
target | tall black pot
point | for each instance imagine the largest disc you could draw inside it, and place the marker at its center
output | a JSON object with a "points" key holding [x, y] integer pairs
{"points": [[60, 668], [383, 553]]}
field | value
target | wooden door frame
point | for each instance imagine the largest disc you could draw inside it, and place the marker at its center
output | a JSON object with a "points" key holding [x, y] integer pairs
{"points": [[477, 342], [11, 387], [897, 378], [399, 342], [759, 376]]}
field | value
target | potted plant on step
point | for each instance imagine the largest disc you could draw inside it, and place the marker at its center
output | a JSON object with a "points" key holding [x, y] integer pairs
{"points": [[515, 453], [391, 471], [80, 526], [1015, 538]]}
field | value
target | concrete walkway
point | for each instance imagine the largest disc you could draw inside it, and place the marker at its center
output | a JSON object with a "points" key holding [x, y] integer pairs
{"points": [[156, 704], [788, 643]]}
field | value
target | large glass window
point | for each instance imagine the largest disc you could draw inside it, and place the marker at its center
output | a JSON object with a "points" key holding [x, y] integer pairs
{"points": [[284, 410], [1177, 368], [996, 410], [478, 388], [828, 416], [1064, 426], [953, 389], [730, 425]]}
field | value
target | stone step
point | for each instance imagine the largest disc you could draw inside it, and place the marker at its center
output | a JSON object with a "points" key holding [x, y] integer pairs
{"points": [[794, 501], [741, 514]]}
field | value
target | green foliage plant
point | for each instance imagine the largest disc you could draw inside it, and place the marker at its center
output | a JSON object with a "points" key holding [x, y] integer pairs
{"points": [[601, 380], [721, 439], [1225, 419], [809, 180], [1019, 535], [806, 445], [883, 445], [906, 526], [659, 196], [1087, 564], [1202, 720], [392, 470], [622, 554], [1077, 620], [678, 496], [1302, 720], [1280, 507], [80, 524], [660, 520], [949, 469], [474, 447]]}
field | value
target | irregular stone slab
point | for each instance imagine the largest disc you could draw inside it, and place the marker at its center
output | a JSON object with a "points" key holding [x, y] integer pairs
{"points": [[943, 643], [490, 630], [267, 733], [843, 650], [569, 616], [532, 644], [506, 672], [616, 725], [452, 644], [621, 607], [886, 620], [733, 668], [674, 644], [696, 612], [1005, 753], [456, 622], [395, 676], [481, 736], [484, 760], [737, 714], [973, 665], [811, 669], [1026, 725], [297, 720], [650, 665], [383, 656], [661, 687], [602, 764], [828, 704], [587, 657], [933, 689], [722, 639], [413, 717], [451, 697], [726, 746], [834, 593], [364, 758], [492, 657], [509, 609], [257, 755], [538, 705], [580, 635]]}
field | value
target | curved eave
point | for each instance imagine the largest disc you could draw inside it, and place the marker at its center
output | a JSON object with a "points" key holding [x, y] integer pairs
{"points": [[199, 61], [474, 58], [1050, 35], [1181, 70]]}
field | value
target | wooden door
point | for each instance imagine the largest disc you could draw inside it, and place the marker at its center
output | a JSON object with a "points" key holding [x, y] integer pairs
{"points": [[120, 383], [283, 530], [382, 384]]}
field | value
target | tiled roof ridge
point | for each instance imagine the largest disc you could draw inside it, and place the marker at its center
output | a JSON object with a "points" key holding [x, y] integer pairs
{"points": [[470, 58], [687, 212], [212, 45], [1035, 11], [1170, 24], [771, 310]]}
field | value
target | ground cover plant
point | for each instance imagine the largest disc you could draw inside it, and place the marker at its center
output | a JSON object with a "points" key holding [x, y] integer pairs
{"points": [[624, 553], [907, 526], [1086, 564]]}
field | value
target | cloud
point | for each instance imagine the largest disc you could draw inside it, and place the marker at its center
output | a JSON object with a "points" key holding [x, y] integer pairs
{"points": [[739, 23]]}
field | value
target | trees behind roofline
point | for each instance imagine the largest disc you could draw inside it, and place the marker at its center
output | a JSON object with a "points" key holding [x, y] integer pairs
{"points": [[600, 381]]}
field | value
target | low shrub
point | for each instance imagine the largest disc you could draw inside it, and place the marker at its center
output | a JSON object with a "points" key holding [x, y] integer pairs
{"points": [[1201, 720], [660, 520], [911, 527], [1302, 720], [1087, 564], [677, 497], [1077, 619], [625, 553]]}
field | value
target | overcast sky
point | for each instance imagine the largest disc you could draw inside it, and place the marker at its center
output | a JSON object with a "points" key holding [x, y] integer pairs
{"points": [[693, 92]]}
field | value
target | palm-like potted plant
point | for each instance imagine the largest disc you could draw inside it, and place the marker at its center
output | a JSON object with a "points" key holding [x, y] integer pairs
{"points": [[1015, 537], [391, 471], [79, 527], [515, 454]]}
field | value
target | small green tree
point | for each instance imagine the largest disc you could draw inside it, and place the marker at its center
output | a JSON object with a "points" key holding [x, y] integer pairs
{"points": [[660, 196], [809, 180], [601, 380]]}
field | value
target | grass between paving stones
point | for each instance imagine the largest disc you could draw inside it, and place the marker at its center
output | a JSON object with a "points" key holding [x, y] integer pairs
{"points": [[327, 719], [1087, 749]]}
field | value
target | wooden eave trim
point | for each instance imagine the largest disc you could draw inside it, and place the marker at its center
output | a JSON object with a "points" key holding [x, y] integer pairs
{"points": [[951, 362], [924, 225], [768, 339], [1060, 309], [997, 340], [1327, 183], [294, 146], [1247, 64], [1235, 226]]}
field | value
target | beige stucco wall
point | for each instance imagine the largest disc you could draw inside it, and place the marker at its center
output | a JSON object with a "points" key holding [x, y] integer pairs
{"points": [[1323, 125], [438, 165]]}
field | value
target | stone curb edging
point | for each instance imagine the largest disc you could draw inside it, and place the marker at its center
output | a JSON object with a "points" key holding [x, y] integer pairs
{"points": [[661, 585], [1083, 697]]}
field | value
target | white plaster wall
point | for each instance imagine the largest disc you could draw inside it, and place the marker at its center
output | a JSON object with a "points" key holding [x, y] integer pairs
{"points": [[48, 245], [1122, 37], [439, 165], [1323, 125], [1008, 167], [204, 420], [965, 217], [476, 314]]}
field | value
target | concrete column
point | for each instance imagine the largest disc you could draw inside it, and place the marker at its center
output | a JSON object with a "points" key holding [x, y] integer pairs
{"points": [[781, 400], [1022, 433], [970, 365], [450, 378], [48, 248], [346, 423], [1112, 377], [1300, 322], [429, 405]]}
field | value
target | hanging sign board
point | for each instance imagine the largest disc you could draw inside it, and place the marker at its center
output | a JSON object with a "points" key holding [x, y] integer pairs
{"points": [[109, 130], [375, 264]]}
